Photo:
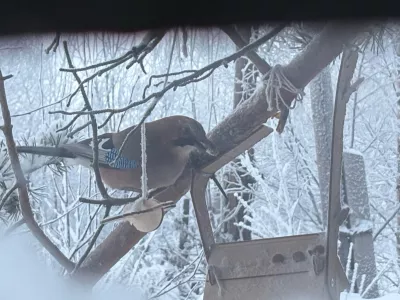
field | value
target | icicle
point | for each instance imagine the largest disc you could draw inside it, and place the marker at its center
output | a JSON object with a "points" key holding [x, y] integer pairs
{"points": [[363, 277], [378, 276], [348, 265], [149, 220], [353, 278], [144, 160]]}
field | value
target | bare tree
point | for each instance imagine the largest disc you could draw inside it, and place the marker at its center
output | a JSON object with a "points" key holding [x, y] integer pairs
{"points": [[95, 261]]}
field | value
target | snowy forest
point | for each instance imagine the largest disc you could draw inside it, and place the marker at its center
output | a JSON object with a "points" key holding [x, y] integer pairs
{"points": [[66, 87]]}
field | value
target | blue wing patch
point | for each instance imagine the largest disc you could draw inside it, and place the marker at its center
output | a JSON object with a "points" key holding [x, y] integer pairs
{"points": [[121, 162]]}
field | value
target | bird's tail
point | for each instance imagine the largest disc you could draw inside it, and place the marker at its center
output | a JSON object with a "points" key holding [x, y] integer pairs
{"points": [[46, 151]]}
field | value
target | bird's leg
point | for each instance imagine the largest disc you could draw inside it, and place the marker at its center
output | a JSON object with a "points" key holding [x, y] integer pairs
{"points": [[217, 183], [166, 206], [277, 115]]}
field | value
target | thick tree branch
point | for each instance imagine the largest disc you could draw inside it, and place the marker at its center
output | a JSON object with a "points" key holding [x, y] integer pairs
{"points": [[22, 189], [229, 133], [124, 237]]}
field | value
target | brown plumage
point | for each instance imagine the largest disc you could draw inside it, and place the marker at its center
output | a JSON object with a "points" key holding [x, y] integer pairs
{"points": [[170, 141]]}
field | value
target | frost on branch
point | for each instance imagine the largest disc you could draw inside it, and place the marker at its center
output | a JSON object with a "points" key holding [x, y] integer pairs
{"points": [[47, 135], [275, 82]]}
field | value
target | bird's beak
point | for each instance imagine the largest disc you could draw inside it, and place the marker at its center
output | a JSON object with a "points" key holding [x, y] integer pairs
{"points": [[206, 145]]}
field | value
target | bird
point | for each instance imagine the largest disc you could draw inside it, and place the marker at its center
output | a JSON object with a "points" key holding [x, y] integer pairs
{"points": [[169, 144]]}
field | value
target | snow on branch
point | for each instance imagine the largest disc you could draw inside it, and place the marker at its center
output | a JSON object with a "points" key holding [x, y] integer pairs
{"points": [[139, 53], [22, 185], [362, 226], [195, 76], [45, 136]]}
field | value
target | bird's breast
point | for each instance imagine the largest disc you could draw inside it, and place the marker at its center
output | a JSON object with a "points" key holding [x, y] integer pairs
{"points": [[162, 170]]}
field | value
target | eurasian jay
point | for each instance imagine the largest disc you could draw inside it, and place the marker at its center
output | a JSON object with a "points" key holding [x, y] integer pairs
{"points": [[170, 141]]}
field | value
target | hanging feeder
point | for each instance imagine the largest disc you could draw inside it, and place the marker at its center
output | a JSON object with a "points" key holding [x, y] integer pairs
{"points": [[295, 267]]}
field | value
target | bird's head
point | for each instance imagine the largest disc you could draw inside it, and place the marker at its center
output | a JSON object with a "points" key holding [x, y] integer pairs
{"points": [[191, 133]]}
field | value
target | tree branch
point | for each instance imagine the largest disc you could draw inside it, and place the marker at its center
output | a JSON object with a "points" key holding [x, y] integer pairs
{"points": [[165, 205], [193, 77], [54, 44], [149, 42], [95, 163], [93, 241], [22, 189], [240, 124], [260, 63]]}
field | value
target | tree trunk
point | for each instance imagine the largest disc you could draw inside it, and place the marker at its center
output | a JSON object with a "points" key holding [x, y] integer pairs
{"points": [[398, 150], [360, 221], [322, 114]]}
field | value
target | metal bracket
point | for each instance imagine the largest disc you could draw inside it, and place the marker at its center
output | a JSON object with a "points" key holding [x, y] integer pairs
{"points": [[199, 184]]}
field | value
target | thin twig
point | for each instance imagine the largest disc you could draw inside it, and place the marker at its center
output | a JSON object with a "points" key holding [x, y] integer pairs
{"points": [[22, 188], [14, 226], [149, 109], [70, 123], [119, 60], [98, 73], [7, 77], [52, 221], [150, 46], [130, 101], [93, 241], [260, 63], [184, 80], [40, 108], [76, 130], [163, 75], [54, 44], [79, 245], [95, 164], [142, 48], [134, 52], [167, 204], [106, 121], [120, 201], [8, 194], [164, 289], [386, 223]]}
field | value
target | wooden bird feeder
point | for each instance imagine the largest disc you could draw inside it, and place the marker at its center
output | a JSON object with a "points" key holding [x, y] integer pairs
{"points": [[295, 267]]}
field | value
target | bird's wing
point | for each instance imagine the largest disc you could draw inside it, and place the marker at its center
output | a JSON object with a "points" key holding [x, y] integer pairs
{"points": [[108, 152]]}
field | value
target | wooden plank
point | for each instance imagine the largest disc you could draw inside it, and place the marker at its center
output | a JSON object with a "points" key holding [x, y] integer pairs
{"points": [[199, 185], [262, 132], [200, 180], [266, 257], [197, 191], [300, 286], [334, 272]]}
